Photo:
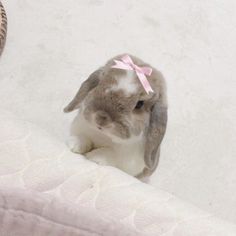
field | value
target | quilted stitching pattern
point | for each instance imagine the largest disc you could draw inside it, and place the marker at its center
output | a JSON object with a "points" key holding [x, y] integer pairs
{"points": [[32, 159]]}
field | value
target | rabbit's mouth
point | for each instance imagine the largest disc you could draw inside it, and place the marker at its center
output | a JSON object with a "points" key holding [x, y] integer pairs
{"points": [[116, 131]]}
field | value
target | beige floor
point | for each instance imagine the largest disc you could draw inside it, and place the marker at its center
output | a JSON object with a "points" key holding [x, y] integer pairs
{"points": [[53, 45]]}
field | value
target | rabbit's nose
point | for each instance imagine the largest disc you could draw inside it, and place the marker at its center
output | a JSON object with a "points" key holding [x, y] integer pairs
{"points": [[102, 118]]}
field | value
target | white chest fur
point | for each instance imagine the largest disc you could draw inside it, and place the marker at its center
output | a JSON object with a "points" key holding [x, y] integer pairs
{"points": [[126, 155]]}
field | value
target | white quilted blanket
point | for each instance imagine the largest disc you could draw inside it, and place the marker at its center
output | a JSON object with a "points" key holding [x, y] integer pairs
{"points": [[81, 197]]}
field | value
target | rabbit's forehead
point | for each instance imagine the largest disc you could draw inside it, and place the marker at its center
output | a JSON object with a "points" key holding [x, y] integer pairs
{"points": [[125, 82], [103, 98]]}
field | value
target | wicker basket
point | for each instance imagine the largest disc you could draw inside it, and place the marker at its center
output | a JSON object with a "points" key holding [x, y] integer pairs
{"points": [[3, 27]]}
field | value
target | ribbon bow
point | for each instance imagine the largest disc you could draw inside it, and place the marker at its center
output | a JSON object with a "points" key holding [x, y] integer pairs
{"points": [[126, 63]]}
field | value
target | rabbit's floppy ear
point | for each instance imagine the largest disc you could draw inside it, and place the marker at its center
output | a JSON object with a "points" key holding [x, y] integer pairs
{"points": [[86, 86], [154, 135]]}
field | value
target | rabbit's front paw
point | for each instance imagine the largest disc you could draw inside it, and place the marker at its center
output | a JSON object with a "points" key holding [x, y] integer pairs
{"points": [[79, 145], [101, 156]]}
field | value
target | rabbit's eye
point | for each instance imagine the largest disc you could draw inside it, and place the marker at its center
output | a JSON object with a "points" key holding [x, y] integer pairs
{"points": [[139, 104]]}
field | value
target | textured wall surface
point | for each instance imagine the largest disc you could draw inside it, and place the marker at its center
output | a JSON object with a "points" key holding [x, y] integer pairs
{"points": [[53, 45]]}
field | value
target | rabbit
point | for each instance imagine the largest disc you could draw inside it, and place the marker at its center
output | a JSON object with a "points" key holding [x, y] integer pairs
{"points": [[119, 123]]}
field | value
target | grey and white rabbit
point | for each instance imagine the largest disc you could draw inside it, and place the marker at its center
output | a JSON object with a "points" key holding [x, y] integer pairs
{"points": [[118, 123]]}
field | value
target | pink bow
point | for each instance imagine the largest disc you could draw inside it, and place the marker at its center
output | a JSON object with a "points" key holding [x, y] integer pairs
{"points": [[126, 63]]}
